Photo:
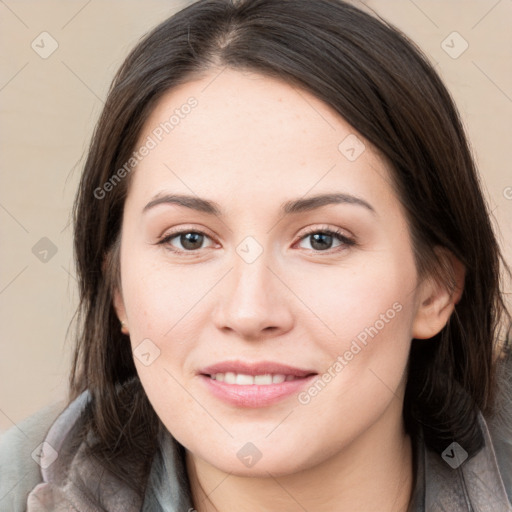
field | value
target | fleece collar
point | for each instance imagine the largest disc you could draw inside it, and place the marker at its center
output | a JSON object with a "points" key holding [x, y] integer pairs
{"points": [[75, 482]]}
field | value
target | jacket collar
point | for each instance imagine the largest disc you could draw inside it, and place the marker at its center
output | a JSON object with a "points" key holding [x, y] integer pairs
{"points": [[450, 482], [75, 482]]}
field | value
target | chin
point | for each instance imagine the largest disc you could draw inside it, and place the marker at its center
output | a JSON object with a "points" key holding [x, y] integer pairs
{"points": [[255, 460]]}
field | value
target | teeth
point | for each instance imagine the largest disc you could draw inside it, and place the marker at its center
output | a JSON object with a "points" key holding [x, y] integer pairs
{"points": [[246, 380], [263, 379], [230, 378]]}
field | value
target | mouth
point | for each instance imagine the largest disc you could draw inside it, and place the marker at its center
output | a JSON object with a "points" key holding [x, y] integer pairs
{"points": [[242, 379], [254, 384]]}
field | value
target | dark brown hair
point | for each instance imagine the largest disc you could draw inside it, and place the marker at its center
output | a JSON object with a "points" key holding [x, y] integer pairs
{"points": [[376, 79]]}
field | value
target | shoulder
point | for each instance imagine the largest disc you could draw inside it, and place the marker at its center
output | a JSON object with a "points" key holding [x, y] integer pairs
{"points": [[500, 423], [19, 446]]}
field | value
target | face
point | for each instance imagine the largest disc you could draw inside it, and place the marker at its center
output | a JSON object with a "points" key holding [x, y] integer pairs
{"points": [[223, 305]]}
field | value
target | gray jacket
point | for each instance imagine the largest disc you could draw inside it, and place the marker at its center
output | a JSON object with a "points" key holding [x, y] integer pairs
{"points": [[60, 478]]}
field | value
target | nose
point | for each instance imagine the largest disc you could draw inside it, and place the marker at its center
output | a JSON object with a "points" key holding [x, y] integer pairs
{"points": [[255, 303]]}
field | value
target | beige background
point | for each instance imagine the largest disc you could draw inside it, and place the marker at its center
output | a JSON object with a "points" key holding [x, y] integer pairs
{"points": [[49, 107]]}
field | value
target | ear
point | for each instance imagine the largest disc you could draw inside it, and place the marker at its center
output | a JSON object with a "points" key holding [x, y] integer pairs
{"points": [[438, 297], [118, 302], [117, 297]]}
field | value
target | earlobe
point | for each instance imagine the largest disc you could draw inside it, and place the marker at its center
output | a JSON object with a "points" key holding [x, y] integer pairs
{"points": [[117, 299], [120, 310], [438, 297], [124, 328]]}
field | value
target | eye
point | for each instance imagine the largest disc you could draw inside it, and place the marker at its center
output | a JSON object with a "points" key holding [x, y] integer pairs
{"points": [[189, 240], [321, 240]]}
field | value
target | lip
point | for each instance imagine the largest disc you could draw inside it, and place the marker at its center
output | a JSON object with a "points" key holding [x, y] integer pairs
{"points": [[259, 368], [255, 395]]}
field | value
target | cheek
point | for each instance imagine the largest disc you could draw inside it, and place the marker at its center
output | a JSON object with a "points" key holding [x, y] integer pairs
{"points": [[159, 303], [364, 371], [368, 301], [159, 298], [369, 314]]}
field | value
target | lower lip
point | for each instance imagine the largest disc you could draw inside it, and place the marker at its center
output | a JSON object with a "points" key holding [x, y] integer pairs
{"points": [[254, 395]]}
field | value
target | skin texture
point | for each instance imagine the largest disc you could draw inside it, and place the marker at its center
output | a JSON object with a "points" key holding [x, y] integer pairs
{"points": [[251, 144]]}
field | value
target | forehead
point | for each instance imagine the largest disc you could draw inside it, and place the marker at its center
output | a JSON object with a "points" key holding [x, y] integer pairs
{"points": [[242, 133], [229, 102]]}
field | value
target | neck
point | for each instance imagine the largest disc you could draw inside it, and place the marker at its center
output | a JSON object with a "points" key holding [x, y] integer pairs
{"points": [[373, 473]]}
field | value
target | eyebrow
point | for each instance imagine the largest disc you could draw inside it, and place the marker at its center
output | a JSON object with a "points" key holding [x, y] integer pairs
{"points": [[287, 208]]}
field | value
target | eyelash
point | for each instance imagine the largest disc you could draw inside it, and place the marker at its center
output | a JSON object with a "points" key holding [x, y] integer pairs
{"points": [[346, 241]]}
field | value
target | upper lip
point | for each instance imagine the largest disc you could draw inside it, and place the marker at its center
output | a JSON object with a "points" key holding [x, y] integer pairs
{"points": [[255, 368]]}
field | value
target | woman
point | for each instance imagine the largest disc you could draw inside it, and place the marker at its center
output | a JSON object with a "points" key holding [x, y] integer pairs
{"points": [[289, 282]]}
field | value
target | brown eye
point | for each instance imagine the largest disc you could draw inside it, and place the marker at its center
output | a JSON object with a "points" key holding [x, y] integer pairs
{"points": [[322, 240], [188, 240]]}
